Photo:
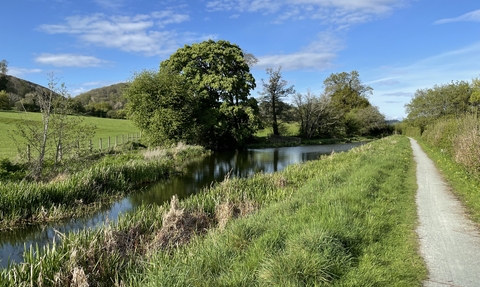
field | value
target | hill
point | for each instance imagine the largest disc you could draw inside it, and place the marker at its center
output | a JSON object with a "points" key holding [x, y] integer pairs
{"points": [[19, 87], [113, 95]]}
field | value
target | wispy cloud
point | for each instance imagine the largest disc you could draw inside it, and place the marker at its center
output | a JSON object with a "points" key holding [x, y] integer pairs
{"points": [[18, 72], [473, 16], [69, 60], [318, 55], [342, 13], [139, 34]]}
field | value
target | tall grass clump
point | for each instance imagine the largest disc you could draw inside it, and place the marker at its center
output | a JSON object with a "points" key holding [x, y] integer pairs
{"points": [[344, 220]]}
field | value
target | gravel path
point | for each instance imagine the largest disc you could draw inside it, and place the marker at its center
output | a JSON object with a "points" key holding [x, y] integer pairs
{"points": [[449, 241]]}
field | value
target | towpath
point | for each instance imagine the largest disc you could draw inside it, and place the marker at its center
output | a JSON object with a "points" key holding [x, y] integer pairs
{"points": [[449, 241]]}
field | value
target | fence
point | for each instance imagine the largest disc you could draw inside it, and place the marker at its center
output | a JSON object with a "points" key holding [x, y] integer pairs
{"points": [[107, 144], [119, 140]]}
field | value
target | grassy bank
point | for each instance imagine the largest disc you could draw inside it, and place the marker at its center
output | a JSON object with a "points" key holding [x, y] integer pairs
{"points": [[344, 220], [105, 128], [88, 190]]}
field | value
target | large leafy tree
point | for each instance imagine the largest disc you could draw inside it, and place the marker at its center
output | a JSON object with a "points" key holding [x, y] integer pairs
{"points": [[207, 101], [271, 96], [346, 91]]}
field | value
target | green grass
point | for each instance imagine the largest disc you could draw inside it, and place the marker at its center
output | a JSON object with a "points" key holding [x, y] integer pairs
{"points": [[105, 128], [345, 220], [87, 190], [287, 129]]}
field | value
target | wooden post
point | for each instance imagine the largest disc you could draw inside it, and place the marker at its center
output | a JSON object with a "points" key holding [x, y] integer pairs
{"points": [[28, 153], [90, 145], [123, 140], [116, 141], [100, 144], [108, 142]]}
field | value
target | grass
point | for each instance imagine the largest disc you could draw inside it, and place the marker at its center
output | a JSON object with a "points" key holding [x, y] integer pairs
{"points": [[87, 190], [105, 128], [345, 220]]}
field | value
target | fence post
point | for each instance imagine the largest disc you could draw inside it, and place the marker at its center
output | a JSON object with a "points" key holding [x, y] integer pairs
{"points": [[116, 141], [123, 140], [100, 144], [90, 145], [28, 153], [108, 142]]}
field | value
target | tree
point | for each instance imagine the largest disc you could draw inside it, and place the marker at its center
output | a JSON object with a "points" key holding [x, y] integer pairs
{"points": [[448, 100], [4, 67], [316, 115], [57, 135], [367, 121], [3, 75], [4, 101], [162, 105], [217, 83], [273, 92], [347, 91]]}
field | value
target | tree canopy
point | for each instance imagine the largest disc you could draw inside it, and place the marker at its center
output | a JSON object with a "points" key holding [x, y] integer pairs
{"points": [[448, 100], [200, 95], [346, 91]]}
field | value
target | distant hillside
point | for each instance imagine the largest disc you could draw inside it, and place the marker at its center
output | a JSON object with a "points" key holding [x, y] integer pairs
{"points": [[112, 95], [19, 87]]}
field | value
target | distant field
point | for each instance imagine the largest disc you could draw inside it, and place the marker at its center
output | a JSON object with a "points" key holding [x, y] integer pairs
{"points": [[105, 128], [286, 129]]}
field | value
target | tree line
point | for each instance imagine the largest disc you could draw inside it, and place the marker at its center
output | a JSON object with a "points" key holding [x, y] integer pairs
{"points": [[201, 95]]}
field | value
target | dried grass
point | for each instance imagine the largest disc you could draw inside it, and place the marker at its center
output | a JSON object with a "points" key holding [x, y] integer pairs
{"points": [[179, 226], [467, 148], [79, 279], [227, 211]]}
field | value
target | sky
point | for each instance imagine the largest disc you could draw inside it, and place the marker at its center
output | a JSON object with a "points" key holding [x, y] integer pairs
{"points": [[397, 46]]}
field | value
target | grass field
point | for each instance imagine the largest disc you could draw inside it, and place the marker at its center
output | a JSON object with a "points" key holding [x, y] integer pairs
{"points": [[105, 128]]}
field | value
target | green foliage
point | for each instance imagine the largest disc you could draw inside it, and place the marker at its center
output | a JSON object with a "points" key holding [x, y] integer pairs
{"points": [[11, 171], [4, 101], [365, 121], [200, 96], [347, 92], [431, 104]]}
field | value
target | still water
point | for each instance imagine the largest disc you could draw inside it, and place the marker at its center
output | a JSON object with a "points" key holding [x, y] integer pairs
{"points": [[197, 175]]}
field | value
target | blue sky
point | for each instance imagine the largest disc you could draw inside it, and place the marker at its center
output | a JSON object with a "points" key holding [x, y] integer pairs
{"points": [[397, 46]]}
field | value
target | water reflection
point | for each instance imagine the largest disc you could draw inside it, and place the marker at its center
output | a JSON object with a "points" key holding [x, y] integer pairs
{"points": [[197, 175]]}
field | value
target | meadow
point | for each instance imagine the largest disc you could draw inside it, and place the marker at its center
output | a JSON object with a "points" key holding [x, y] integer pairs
{"points": [[347, 219], [104, 128]]}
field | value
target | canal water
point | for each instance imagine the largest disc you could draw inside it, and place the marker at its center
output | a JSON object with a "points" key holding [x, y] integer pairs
{"points": [[197, 175]]}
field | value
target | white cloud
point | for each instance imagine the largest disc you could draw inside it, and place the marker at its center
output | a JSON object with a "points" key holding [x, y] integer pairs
{"points": [[18, 72], [136, 34], [473, 16], [455, 65], [69, 60], [342, 13], [318, 55]]}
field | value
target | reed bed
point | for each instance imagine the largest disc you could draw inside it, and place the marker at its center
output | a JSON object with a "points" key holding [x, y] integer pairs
{"points": [[344, 220]]}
